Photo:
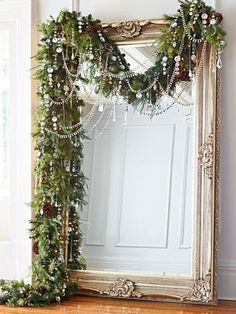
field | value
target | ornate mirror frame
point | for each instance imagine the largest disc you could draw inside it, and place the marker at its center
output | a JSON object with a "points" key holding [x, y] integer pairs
{"points": [[202, 287]]}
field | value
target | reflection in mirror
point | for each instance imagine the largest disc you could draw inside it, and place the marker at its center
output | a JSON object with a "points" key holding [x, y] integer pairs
{"points": [[141, 182]]}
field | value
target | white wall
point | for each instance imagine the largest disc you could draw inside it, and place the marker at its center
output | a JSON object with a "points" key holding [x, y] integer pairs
{"points": [[228, 156], [123, 9]]}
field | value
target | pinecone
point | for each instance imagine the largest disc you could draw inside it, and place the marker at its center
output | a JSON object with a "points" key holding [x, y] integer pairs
{"points": [[89, 30], [183, 75], [36, 248], [41, 290], [48, 210], [219, 17]]}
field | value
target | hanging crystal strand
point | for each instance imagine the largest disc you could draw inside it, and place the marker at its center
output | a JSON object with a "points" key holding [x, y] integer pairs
{"points": [[219, 63], [71, 249], [114, 112], [190, 74], [100, 59], [67, 53], [150, 97], [91, 56], [80, 115], [126, 115], [73, 44]]}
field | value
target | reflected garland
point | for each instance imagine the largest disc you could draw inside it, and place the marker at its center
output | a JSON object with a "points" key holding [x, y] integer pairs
{"points": [[75, 54]]}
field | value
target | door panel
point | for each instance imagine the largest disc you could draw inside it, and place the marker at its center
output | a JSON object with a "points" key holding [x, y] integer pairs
{"points": [[15, 138]]}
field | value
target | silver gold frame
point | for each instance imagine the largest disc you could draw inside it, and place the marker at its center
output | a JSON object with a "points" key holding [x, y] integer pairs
{"points": [[202, 286]]}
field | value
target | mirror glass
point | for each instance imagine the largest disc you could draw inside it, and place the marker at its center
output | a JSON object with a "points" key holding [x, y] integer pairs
{"points": [[140, 193]]}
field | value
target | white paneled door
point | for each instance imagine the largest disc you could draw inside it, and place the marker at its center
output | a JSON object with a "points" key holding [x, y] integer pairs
{"points": [[140, 196], [15, 138]]}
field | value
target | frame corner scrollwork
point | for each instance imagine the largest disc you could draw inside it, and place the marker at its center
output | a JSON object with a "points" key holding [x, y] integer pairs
{"points": [[201, 291]]}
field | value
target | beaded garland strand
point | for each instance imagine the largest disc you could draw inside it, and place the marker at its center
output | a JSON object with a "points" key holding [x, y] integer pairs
{"points": [[76, 60]]}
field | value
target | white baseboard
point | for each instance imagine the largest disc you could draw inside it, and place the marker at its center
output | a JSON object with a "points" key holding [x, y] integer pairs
{"points": [[227, 280]]}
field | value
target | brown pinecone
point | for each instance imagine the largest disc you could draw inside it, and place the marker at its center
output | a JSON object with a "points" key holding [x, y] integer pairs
{"points": [[41, 290], [219, 17], [48, 210], [89, 30], [36, 248]]}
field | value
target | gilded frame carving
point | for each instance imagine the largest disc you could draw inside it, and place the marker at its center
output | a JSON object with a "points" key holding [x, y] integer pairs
{"points": [[202, 286]]}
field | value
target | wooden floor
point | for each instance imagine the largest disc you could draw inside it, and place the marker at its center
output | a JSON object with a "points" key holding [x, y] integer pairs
{"points": [[86, 305]]}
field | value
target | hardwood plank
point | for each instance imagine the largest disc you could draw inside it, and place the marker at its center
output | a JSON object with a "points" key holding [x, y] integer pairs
{"points": [[89, 305]]}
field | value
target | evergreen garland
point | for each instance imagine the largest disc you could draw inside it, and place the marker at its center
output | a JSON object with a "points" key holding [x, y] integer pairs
{"points": [[60, 188]]}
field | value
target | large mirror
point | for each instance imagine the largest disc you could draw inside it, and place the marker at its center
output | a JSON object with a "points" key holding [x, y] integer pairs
{"points": [[150, 224], [140, 192]]}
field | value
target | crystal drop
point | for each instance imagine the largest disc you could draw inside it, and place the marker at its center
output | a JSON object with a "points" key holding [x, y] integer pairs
{"points": [[213, 21], [177, 58], [164, 59], [91, 57], [67, 168], [69, 229], [54, 119], [55, 40], [139, 95], [50, 70], [204, 16], [113, 58], [41, 211], [59, 49], [193, 58], [100, 108], [219, 63], [59, 217]]}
